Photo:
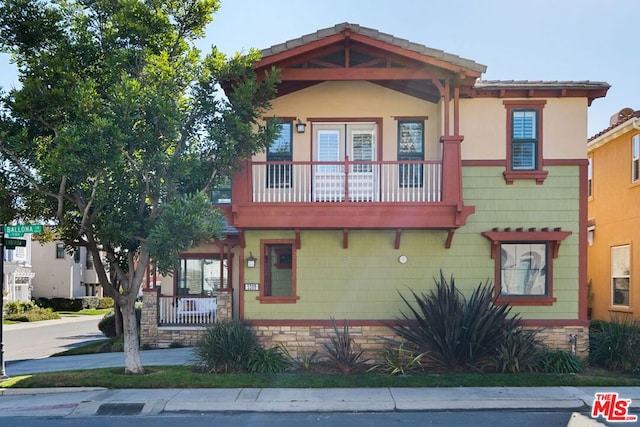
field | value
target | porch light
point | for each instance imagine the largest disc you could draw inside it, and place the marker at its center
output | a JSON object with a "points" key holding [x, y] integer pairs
{"points": [[251, 261], [300, 126]]}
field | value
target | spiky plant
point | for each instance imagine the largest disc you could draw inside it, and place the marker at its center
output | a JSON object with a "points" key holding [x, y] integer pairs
{"points": [[342, 352], [456, 333]]}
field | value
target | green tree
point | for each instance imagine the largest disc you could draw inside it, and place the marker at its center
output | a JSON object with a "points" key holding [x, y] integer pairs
{"points": [[119, 130]]}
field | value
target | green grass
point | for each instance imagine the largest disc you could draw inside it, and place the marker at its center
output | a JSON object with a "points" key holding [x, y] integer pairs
{"points": [[188, 377], [86, 312]]}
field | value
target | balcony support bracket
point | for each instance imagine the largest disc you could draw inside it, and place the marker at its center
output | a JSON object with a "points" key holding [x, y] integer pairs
{"points": [[396, 244], [447, 244], [345, 238]]}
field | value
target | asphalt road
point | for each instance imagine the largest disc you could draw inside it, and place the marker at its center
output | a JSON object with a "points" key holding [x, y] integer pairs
{"points": [[42, 339]]}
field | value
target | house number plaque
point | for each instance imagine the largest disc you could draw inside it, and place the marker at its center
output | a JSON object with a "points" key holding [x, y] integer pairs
{"points": [[252, 286]]}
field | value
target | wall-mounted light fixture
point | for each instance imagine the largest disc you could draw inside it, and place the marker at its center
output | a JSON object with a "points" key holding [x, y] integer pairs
{"points": [[300, 126], [251, 261]]}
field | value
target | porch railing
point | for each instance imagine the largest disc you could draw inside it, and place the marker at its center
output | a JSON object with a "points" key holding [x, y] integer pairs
{"points": [[347, 181], [189, 310]]}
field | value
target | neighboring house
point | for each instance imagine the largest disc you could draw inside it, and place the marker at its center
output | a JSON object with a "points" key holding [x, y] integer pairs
{"points": [[395, 161], [18, 274], [614, 217], [60, 274]]}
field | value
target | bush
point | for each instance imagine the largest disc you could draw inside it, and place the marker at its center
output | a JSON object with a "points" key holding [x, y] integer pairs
{"points": [[270, 361], [89, 302], [560, 362], [456, 333], [521, 351], [304, 362], [342, 351], [226, 347], [615, 345], [107, 324], [65, 304], [398, 360], [19, 307], [31, 314], [106, 302]]}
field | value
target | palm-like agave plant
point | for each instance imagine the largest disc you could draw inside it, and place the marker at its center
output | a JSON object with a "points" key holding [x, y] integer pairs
{"points": [[454, 331]]}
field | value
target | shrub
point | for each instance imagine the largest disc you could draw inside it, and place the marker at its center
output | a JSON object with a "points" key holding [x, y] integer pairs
{"points": [[19, 307], [269, 361], [615, 345], [29, 312], [304, 361], [342, 351], [66, 304], [107, 324], [398, 360], [89, 302], [560, 362], [226, 347], [455, 332], [520, 351], [106, 302]]}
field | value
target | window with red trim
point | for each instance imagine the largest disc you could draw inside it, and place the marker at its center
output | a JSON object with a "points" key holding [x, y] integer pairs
{"points": [[524, 141], [278, 272], [524, 264]]}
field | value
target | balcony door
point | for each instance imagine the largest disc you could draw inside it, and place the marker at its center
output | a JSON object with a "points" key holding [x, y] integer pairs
{"points": [[332, 143]]}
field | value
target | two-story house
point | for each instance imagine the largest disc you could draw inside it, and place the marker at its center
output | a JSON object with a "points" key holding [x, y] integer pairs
{"points": [[395, 161], [614, 217], [18, 272], [60, 274]]}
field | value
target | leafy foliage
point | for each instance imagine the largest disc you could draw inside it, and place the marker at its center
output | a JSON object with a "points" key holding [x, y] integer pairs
{"points": [[560, 362], [342, 351], [269, 361], [27, 311], [119, 131], [455, 332], [398, 360], [107, 324], [520, 351], [615, 345], [226, 347], [303, 362]]}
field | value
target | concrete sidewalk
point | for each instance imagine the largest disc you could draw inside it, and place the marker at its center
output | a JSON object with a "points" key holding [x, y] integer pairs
{"points": [[100, 401]]}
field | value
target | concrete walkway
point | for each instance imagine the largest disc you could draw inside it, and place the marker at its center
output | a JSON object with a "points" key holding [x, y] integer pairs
{"points": [[100, 401]]}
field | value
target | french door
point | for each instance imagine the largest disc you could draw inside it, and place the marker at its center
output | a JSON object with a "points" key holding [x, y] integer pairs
{"points": [[332, 143]]}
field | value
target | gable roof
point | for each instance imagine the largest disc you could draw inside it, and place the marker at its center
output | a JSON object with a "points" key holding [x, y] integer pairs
{"points": [[352, 52]]}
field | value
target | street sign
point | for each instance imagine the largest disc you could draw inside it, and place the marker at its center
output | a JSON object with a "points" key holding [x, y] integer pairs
{"points": [[13, 243], [20, 230]]}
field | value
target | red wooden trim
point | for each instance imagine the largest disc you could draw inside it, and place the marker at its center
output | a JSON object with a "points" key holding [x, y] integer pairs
{"points": [[447, 105], [542, 300], [547, 162], [345, 238], [298, 244], [384, 323], [498, 237], [456, 111], [350, 74], [582, 243], [396, 243], [510, 176], [407, 118], [277, 300], [447, 243], [283, 119], [555, 322]]}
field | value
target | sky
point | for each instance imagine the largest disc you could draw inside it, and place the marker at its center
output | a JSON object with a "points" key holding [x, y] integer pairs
{"points": [[560, 40]]}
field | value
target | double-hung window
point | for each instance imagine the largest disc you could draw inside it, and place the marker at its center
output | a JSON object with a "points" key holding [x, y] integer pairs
{"points": [[59, 250], [590, 178], [411, 147], [524, 141], [280, 151], [620, 275], [635, 158]]}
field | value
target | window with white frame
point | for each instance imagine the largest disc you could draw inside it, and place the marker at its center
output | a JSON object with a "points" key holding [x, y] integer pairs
{"points": [[620, 274], [523, 269], [201, 276], [635, 158], [524, 140]]}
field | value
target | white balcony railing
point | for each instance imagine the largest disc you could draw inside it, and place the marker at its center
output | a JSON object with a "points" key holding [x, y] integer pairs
{"points": [[187, 310], [307, 182]]}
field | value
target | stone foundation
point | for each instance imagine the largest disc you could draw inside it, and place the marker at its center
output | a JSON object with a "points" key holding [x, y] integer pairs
{"points": [[304, 340]]}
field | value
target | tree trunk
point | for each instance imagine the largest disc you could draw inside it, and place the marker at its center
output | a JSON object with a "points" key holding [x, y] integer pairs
{"points": [[118, 319], [133, 363]]}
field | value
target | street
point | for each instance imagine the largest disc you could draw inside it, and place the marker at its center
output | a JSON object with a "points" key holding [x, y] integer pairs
{"points": [[346, 419], [42, 339]]}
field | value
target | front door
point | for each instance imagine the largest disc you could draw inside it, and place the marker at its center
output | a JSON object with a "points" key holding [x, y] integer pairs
{"points": [[333, 142]]}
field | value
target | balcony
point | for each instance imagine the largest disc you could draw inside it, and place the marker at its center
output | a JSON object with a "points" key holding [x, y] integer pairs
{"points": [[405, 194], [351, 182]]}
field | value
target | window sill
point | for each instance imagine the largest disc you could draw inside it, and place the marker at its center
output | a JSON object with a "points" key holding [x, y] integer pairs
{"points": [[525, 300], [538, 175], [277, 300], [620, 309]]}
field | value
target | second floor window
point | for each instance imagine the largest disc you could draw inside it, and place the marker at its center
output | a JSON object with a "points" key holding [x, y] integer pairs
{"points": [[411, 147], [281, 150], [89, 261], [59, 250], [590, 178], [524, 140], [620, 275], [635, 158]]}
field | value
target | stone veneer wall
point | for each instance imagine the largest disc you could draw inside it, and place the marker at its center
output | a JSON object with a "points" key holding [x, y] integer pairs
{"points": [[304, 340]]}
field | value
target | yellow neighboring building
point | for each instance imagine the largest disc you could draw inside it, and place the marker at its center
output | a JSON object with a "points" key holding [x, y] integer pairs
{"points": [[614, 217]]}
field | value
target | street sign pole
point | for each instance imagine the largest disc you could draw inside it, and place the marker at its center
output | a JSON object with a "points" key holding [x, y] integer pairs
{"points": [[3, 374]]}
